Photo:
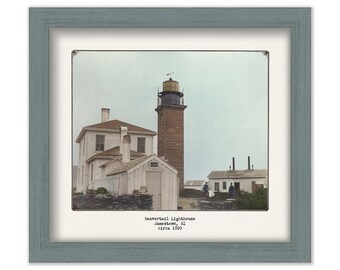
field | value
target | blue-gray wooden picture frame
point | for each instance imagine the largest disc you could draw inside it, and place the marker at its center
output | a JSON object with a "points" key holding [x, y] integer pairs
{"points": [[298, 20]]}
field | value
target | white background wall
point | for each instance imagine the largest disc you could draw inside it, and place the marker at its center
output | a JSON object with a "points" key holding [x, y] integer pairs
{"points": [[326, 132]]}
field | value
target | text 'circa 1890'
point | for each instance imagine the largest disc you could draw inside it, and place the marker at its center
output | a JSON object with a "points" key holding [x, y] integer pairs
{"points": [[170, 223]]}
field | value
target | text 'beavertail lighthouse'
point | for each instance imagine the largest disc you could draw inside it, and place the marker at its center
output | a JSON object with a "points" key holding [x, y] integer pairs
{"points": [[170, 111]]}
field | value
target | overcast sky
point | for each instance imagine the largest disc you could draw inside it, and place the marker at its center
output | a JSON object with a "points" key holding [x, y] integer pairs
{"points": [[226, 93]]}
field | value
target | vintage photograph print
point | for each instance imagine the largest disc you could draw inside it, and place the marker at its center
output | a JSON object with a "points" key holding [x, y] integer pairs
{"points": [[170, 130]]}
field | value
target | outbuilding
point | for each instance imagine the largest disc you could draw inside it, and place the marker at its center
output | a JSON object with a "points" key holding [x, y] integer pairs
{"points": [[150, 175], [194, 184], [242, 180]]}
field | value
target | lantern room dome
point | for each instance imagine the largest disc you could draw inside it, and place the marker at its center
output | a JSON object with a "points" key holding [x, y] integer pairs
{"points": [[170, 85]]}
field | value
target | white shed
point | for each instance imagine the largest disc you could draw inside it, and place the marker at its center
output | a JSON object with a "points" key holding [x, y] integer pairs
{"points": [[148, 174]]}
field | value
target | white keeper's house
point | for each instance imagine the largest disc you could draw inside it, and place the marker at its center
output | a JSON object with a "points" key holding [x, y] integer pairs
{"points": [[119, 156]]}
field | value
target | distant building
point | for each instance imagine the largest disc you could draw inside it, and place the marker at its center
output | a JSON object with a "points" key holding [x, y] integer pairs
{"points": [[243, 180], [194, 184]]}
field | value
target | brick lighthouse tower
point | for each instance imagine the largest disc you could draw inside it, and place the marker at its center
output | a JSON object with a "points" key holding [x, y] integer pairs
{"points": [[170, 111]]}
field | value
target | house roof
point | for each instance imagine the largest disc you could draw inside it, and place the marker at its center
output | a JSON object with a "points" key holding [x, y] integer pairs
{"points": [[125, 167], [194, 182], [114, 126], [238, 174], [114, 153]]}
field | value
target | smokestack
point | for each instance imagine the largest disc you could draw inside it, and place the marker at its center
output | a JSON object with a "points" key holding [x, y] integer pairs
{"points": [[123, 132], [248, 162], [126, 148], [105, 114], [233, 164]]}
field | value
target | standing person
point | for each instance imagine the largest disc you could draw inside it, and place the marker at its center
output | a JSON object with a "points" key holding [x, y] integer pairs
{"points": [[206, 189], [231, 191]]}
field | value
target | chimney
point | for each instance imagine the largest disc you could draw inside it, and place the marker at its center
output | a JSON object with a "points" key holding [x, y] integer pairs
{"points": [[105, 114], [123, 132], [233, 164], [248, 162], [126, 148]]}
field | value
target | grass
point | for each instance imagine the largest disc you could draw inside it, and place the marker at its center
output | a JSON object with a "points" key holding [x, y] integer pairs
{"points": [[255, 201]]}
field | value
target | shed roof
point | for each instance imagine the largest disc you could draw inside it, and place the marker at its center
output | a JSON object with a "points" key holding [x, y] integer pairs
{"points": [[238, 174], [115, 159], [128, 165], [114, 126], [125, 167], [114, 153]]}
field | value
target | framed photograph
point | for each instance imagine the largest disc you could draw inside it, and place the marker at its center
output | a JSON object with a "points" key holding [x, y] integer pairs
{"points": [[170, 135]]}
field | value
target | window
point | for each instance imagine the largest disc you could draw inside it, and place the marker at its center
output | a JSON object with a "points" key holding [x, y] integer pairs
{"points": [[154, 164], [82, 175], [84, 146], [141, 145], [224, 185], [79, 152], [100, 140], [78, 176]]}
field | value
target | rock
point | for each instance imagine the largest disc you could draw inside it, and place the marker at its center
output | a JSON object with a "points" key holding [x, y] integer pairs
{"points": [[111, 203], [217, 205]]}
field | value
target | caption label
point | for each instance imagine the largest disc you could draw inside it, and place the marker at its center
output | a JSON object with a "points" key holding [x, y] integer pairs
{"points": [[169, 223]]}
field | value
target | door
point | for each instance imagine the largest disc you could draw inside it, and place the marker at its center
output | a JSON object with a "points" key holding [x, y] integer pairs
{"points": [[237, 188], [217, 187], [153, 185]]}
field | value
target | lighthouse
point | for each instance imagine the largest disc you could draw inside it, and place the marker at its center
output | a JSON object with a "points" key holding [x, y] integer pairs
{"points": [[170, 109]]}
